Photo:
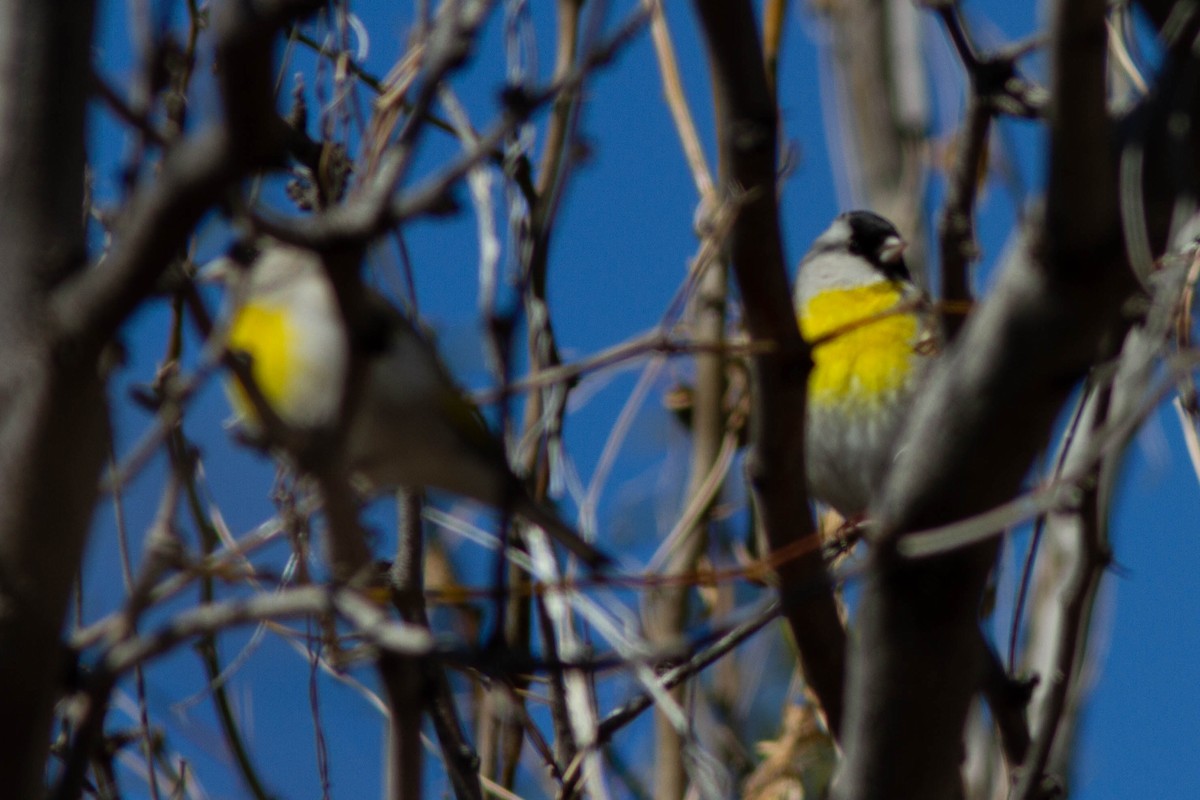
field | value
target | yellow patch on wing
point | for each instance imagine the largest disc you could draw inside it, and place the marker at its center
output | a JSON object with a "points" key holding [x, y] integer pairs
{"points": [[265, 334], [855, 362]]}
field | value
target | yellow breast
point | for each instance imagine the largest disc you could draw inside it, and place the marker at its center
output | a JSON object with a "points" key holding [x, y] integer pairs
{"points": [[264, 333], [859, 366]]}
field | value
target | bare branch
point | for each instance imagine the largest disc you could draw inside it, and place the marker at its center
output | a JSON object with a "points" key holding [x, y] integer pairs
{"points": [[883, 112], [702, 659], [53, 423], [195, 175], [375, 209], [775, 463], [985, 414]]}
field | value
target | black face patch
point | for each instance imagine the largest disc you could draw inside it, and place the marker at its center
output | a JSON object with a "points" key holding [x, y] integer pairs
{"points": [[243, 252], [868, 232]]}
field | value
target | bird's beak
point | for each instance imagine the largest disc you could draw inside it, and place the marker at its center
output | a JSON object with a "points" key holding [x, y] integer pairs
{"points": [[892, 250], [218, 272]]}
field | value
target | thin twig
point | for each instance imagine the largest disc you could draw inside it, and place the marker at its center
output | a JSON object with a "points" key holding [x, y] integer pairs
{"points": [[668, 67], [1036, 537], [702, 659]]}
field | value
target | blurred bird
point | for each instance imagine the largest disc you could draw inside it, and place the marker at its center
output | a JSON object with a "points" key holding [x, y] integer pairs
{"points": [[869, 327], [407, 423]]}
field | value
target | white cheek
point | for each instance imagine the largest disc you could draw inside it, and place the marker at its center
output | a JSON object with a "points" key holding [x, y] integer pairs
{"points": [[833, 270]]}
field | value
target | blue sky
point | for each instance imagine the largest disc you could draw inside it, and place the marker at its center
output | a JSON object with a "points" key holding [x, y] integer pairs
{"points": [[621, 249]]}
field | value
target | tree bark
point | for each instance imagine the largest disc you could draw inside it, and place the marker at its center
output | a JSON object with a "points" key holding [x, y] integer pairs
{"points": [[988, 410], [53, 419]]}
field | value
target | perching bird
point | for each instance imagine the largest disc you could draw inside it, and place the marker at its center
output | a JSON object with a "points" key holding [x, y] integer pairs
{"points": [[408, 423], [867, 322]]}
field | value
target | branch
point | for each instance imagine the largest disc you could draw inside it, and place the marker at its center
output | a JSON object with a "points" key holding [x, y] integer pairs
{"points": [[1076, 550], [1081, 200], [195, 175], [375, 208], [1080, 592], [666, 607], [351, 563], [882, 122], [1174, 20], [994, 88], [702, 659], [987, 411], [53, 420], [213, 618], [775, 465], [407, 578]]}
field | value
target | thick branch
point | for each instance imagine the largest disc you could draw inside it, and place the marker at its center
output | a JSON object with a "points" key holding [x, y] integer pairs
{"points": [[52, 408], [876, 61], [54, 322], [987, 412]]}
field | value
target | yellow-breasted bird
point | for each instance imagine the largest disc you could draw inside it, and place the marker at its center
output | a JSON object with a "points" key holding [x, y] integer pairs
{"points": [[405, 423], [867, 322]]}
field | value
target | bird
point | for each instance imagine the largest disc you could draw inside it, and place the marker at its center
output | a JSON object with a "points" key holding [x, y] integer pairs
{"points": [[377, 386], [869, 328]]}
